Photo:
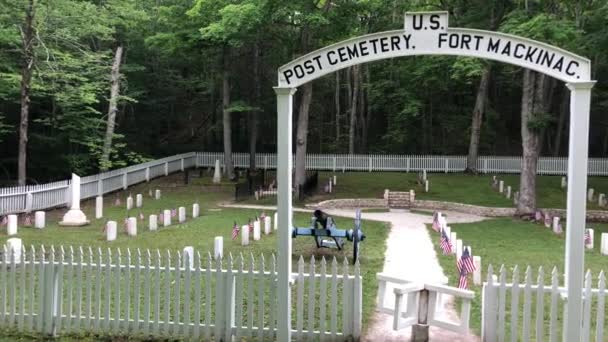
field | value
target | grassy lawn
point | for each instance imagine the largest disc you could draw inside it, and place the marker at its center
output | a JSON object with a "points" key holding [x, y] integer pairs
{"points": [[200, 232], [511, 242]]}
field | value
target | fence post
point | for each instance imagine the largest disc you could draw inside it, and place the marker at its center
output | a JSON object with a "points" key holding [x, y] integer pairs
{"points": [[147, 174], [29, 199], [229, 285], [182, 164], [446, 165], [68, 195], [488, 309], [357, 305], [420, 330], [100, 187], [166, 168], [124, 181]]}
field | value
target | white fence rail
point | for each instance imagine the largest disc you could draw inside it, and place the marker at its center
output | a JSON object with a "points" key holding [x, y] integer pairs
{"points": [[509, 312], [171, 295], [44, 196], [407, 163]]}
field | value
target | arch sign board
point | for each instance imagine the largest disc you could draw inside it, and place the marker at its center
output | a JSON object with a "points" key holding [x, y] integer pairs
{"points": [[429, 34]]}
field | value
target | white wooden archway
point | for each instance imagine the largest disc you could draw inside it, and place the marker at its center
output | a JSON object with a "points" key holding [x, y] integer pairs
{"points": [[427, 33]]}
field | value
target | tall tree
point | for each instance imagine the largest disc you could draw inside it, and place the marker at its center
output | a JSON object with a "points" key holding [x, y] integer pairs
{"points": [[112, 109], [477, 117]]}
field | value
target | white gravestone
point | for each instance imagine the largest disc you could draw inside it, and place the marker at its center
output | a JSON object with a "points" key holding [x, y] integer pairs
{"points": [[39, 219], [196, 210], [442, 222], [335, 178], [276, 221], [157, 194], [412, 196], [458, 250], [132, 226], [111, 231], [508, 195], [448, 232], [424, 175], [329, 185], [166, 217], [98, 207], [188, 257], [256, 230], [426, 186], [74, 216], [11, 227], [14, 248], [217, 177], [245, 235], [267, 227], [153, 222], [590, 194], [218, 247], [604, 244], [129, 202], [601, 200], [589, 242], [501, 186], [555, 226], [386, 191], [139, 200], [564, 182], [477, 272], [181, 214]]}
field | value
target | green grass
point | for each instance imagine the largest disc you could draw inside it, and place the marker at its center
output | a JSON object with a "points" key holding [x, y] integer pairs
{"points": [[200, 232], [511, 242]]}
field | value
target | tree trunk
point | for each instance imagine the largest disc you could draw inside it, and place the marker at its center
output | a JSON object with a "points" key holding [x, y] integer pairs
{"points": [[478, 110], [301, 136], [564, 110], [253, 117], [27, 40], [353, 110], [368, 111], [337, 104], [104, 162], [226, 117]]}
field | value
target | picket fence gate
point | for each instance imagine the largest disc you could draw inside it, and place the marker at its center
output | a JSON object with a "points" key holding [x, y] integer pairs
{"points": [[508, 317], [171, 295]]}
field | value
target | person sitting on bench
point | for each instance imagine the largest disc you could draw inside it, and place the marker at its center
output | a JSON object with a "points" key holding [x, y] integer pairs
{"points": [[322, 219]]}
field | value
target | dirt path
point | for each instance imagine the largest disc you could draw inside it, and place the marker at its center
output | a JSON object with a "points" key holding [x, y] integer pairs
{"points": [[410, 255]]}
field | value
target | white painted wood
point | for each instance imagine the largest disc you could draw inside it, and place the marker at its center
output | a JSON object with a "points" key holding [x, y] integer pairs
{"points": [[587, 304], [181, 214], [500, 331], [218, 247], [477, 272], [300, 300], [604, 244], [250, 296], [239, 298], [256, 230], [166, 218], [515, 305], [153, 223], [132, 226], [196, 210], [40, 219], [601, 300], [357, 302], [333, 324], [245, 235], [267, 225], [111, 231], [554, 303], [323, 299], [540, 308], [11, 227], [527, 305], [312, 294]]}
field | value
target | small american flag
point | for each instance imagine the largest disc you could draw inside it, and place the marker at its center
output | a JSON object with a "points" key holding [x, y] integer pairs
{"points": [[250, 226], [445, 243], [465, 262], [4, 221], [27, 220], [173, 212], [436, 221], [462, 280], [235, 231], [587, 237]]}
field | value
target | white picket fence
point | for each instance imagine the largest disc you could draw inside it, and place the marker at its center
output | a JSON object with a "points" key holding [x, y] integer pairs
{"points": [[510, 314], [45, 196], [171, 295], [406, 163]]}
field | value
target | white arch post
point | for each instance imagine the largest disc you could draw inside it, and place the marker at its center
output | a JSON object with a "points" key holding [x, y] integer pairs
{"points": [[429, 34]]}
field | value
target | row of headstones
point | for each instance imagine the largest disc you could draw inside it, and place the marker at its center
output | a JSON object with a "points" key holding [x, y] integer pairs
{"points": [[499, 185], [12, 222], [244, 231], [457, 252], [601, 198], [270, 191], [111, 229], [331, 184], [550, 222], [139, 202], [423, 180]]}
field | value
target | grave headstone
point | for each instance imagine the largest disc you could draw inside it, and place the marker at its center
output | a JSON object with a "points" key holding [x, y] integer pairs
{"points": [[477, 272], [196, 210], [11, 227], [386, 191], [14, 248], [564, 182], [256, 230], [39, 219], [494, 182], [129, 202], [458, 248], [157, 194], [74, 216], [188, 257], [501, 186], [547, 220], [426, 185], [590, 195], [276, 221], [508, 195], [132, 226], [98, 207], [245, 235], [218, 247], [516, 198], [166, 218], [604, 244], [424, 175], [412, 196], [335, 178], [601, 200], [139, 200], [267, 227], [256, 194], [217, 177], [181, 215], [329, 185], [153, 222], [111, 230], [556, 224], [589, 235]]}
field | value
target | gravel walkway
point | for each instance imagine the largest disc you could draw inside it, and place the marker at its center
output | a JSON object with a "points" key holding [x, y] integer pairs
{"points": [[410, 255]]}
